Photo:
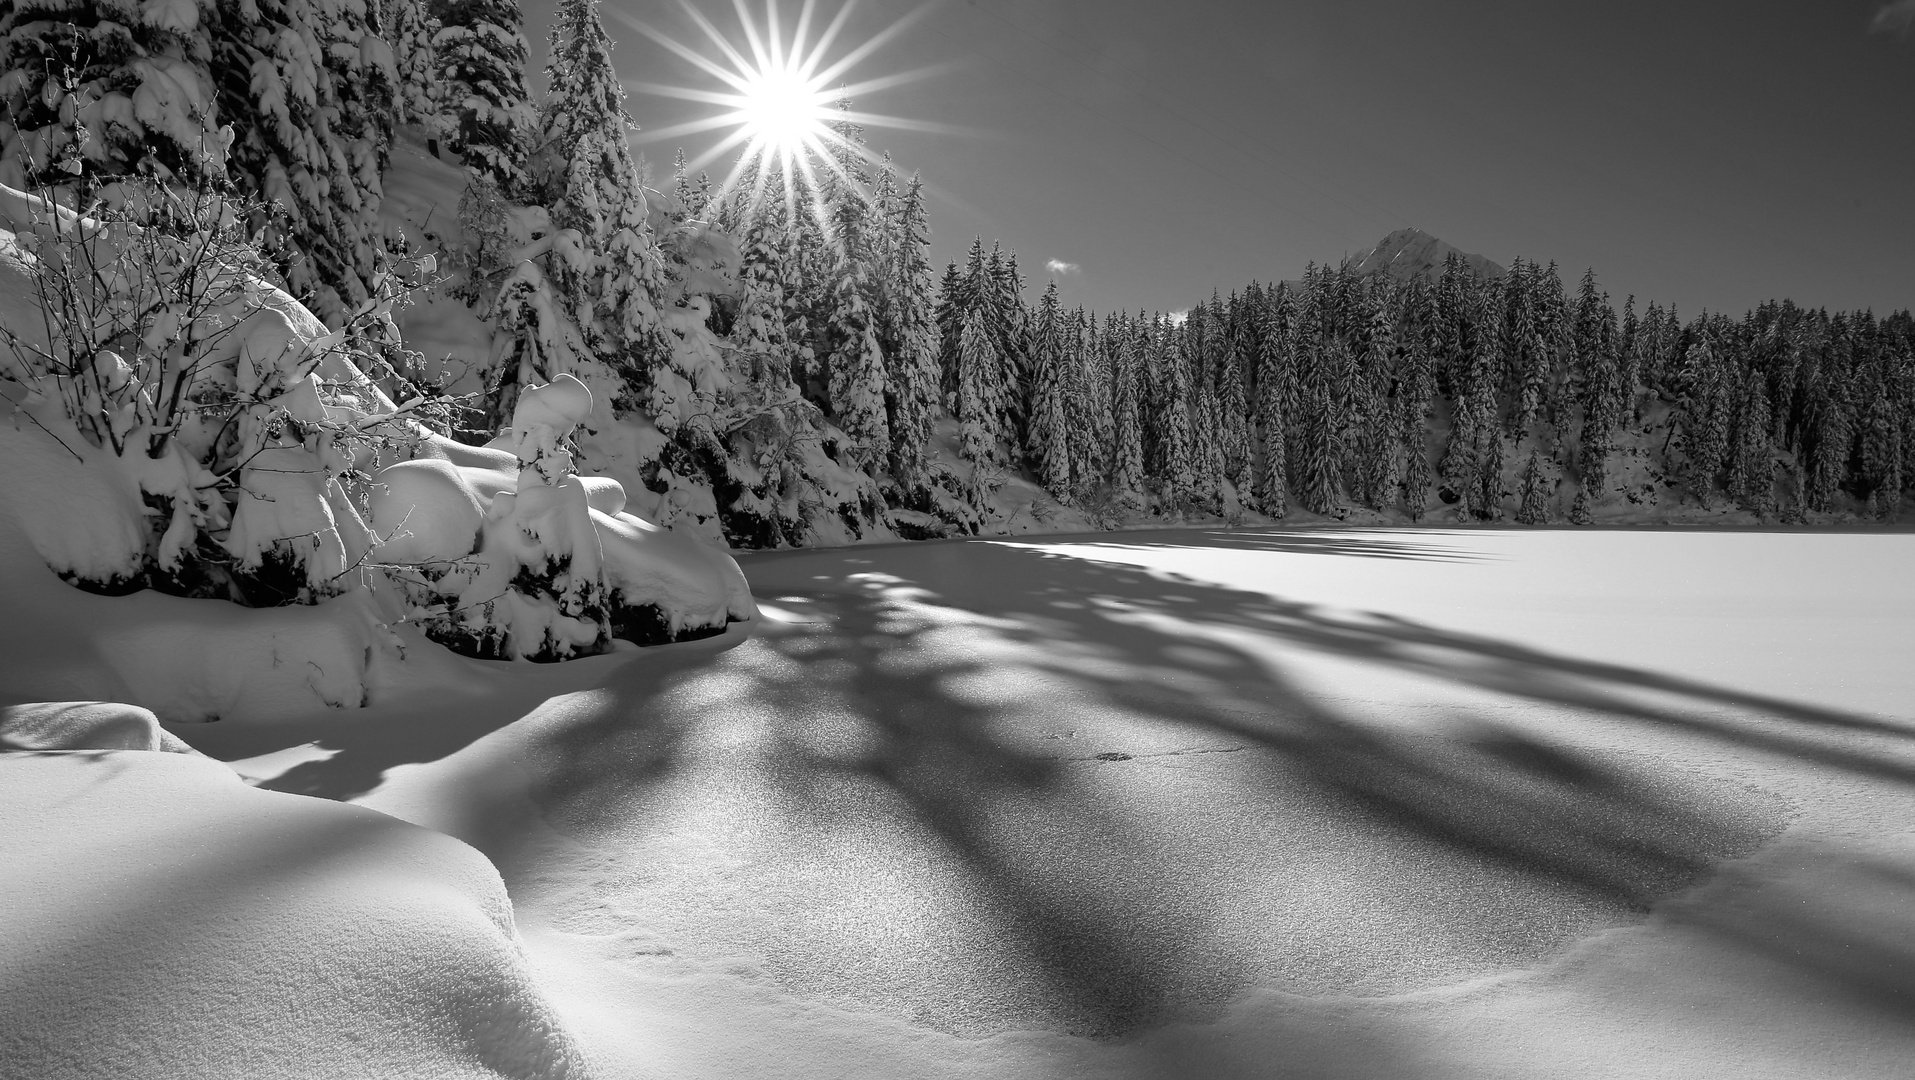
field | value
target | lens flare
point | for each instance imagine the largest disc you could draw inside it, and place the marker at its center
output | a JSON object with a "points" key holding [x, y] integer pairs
{"points": [[784, 103]]}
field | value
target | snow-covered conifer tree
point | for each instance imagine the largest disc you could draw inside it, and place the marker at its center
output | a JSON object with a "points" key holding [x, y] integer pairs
{"points": [[1378, 422], [1050, 420], [1603, 392], [1127, 437], [92, 91], [853, 359], [1172, 409], [978, 368], [481, 52], [1533, 509], [1274, 393], [1751, 459], [310, 91], [611, 278], [410, 29], [912, 355]]}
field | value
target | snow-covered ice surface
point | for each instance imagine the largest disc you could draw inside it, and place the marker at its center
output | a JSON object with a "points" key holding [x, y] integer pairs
{"points": [[1250, 803]]}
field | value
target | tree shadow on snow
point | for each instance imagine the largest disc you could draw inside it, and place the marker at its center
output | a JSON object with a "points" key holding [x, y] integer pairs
{"points": [[1499, 843]]}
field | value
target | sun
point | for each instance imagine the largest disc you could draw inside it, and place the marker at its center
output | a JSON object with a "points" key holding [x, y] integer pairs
{"points": [[782, 105], [783, 111]]}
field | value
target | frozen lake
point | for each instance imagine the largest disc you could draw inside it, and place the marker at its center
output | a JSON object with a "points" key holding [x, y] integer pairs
{"points": [[1432, 803]]}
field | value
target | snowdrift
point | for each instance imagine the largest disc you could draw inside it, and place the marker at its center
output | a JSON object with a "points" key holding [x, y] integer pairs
{"points": [[165, 920]]}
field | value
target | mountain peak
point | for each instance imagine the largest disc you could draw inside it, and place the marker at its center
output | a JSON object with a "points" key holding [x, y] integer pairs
{"points": [[1408, 253]]}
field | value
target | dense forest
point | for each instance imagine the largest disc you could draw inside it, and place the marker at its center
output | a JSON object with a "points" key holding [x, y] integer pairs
{"points": [[793, 370]]}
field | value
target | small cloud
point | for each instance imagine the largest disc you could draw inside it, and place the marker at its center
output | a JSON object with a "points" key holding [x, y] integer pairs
{"points": [[1177, 317], [1059, 266], [1894, 17]]}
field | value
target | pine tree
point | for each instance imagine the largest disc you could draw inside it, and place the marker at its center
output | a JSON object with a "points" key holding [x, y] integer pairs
{"points": [[95, 91], [1534, 506], [481, 51]]}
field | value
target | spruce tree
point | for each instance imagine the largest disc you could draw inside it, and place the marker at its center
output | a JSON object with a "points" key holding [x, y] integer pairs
{"points": [[1603, 393], [95, 91], [978, 372], [410, 29], [1127, 441], [1317, 482], [1176, 441], [1087, 402], [1533, 509], [951, 307], [912, 357], [1416, 391], [1274, 393], [481, 52], [311, 102], [1050, 422], [1233, 404], [585, 175], [1204, 477], [1751, 459], [853, 359], [1379, 424], [1524, 349]]}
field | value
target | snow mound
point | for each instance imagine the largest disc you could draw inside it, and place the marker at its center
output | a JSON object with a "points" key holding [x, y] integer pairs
{"points": [[85, 725], [165, 920], [520, 557]]}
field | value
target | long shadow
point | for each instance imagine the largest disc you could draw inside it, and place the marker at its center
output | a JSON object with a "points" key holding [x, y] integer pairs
{"points": [[1614, 837], [1348, 543], [1503, 835]]}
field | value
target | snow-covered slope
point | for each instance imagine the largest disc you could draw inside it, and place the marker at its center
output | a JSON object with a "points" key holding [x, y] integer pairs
{"points": [[165, 920]]}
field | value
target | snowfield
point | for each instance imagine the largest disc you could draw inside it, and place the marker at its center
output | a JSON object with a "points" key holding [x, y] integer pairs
{"points": [[1248, 803]]}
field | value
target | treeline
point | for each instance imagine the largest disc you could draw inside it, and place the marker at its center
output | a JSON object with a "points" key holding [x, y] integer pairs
{"points": [[780, 356], [1491, 397]]}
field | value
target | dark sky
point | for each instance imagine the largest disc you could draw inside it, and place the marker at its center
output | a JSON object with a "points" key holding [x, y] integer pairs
{"points": [[1714, 153]]}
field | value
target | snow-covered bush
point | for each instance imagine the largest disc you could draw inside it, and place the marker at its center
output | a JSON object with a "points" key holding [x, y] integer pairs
{"points": [[516, 556], [242, 429], [243, 450]]}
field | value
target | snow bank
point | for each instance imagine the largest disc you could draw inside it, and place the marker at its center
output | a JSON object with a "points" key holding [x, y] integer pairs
{"points": [[165, 920], [85, 725]]}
